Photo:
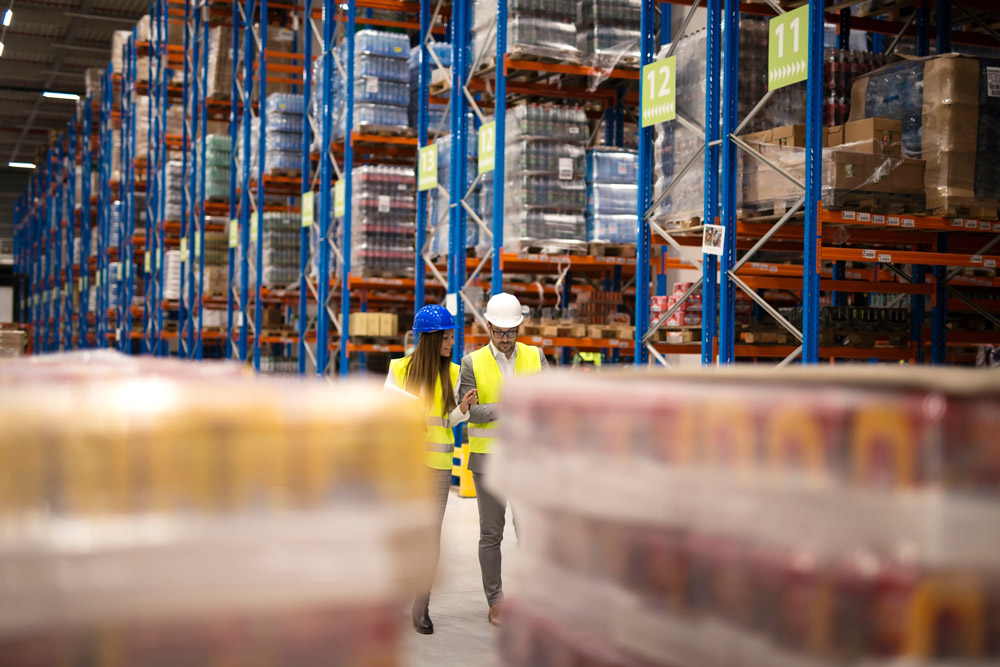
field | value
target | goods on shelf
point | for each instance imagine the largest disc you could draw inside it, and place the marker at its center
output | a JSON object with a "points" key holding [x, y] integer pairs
{"points": [[156, 512], [12, 342], [689, 313], [612, 195], [438, 115], [840, 68], [174, 188], [950, 113], [821, 516], [383, 221], [866, 165], [172, 275], [374, 324], [546, 191], [172, 124], [439, 203], [219, 83], [535, 28], [608, 33], [280, 239]]}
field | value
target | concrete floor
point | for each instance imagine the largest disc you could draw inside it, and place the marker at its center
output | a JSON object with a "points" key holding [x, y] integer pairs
{"points": [[462, 634]]}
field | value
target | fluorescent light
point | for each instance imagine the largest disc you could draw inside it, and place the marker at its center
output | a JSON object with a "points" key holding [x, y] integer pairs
{"points": [[1, 48], [21, 165], [8, 15], [60, 96]]}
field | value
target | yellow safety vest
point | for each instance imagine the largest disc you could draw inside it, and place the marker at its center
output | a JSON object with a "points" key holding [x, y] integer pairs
{"points": [[440, 441], [489, 382]]}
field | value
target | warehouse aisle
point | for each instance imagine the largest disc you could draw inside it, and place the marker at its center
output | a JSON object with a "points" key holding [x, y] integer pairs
{"points": [[462, 635]]}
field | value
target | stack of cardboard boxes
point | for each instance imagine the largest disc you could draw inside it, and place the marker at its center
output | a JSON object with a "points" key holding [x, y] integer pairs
{"points": [[859, 157], [374, 324]]}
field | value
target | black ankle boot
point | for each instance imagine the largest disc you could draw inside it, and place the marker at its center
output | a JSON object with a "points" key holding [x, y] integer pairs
{"points": [[422, 617]]}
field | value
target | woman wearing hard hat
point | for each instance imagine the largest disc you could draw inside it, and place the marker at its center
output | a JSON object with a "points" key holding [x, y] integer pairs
{"points": [[486, 370], [429, 376]]}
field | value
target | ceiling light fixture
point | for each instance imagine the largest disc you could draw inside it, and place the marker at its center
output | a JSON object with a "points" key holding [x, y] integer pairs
{"points": [[21, 165], [1, 48], [60, 96], [8, 16]]}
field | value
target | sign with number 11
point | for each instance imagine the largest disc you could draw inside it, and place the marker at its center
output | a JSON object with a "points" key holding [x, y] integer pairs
{"points": [[788, 49]]}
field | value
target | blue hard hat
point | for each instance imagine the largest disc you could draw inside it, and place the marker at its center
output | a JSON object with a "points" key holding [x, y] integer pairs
{"points": [[432, 318]]}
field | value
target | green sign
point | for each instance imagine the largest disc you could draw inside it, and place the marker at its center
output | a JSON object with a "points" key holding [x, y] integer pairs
{"points": [[427, 168], [487, 146], [339, 207], [146, 263], [788, 49], [253, 227], [308, 215], [659, 92], [197, 246], [184, 250], [234, 233]]}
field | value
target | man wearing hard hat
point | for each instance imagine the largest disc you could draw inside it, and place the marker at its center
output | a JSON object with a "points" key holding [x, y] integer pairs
{"points": [[486, 370]]}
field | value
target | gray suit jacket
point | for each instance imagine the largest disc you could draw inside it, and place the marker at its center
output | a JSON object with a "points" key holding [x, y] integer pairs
{"points": [[482, 413]]}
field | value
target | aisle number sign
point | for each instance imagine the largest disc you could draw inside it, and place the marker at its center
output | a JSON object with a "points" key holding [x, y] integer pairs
{"points": [[184, 250], [427, 172], [234, 233], [308, 201], [659, 92], [487, 146], [788, 49], [146, 264], [338, 199], [253, 227]]}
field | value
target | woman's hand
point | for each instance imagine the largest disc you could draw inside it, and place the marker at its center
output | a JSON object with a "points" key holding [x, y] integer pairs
{"points": [[471, 398]]}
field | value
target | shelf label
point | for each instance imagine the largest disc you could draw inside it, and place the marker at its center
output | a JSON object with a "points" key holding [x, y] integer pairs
{"points": [[847, 215], [253, 227], [868, 254], [128, 269], [885, 258], [565, 168], [659, 93], [234, 233], [159, 258], [146, 263], [97, 279], [990, 263], [983, 225], [880, 220], [976, 259], [713, 239], [788, 48], [956, 222], [971, 224], [996, 226], [487, 146], [909, 223], [547, 342], [427, 174], [864, 217], [384, 204], [339, 207], [371, 84], [308, 203], [184, 251], [79, 284]]}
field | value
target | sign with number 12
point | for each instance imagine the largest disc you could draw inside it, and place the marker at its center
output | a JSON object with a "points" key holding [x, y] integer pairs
{"points": [[487, 146], [659, 92], [788, 49]]}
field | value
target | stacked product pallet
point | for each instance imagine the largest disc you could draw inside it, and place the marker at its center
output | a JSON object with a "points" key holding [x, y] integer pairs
{"points": [[172, 275], [160, 513], [535, 29], [383, 221], [280, 261], [545, 196], [175, 186], [608, 33], [218, 162], [381, 85], [438, 115], [282, 135], [612, 195], [439, 202], [216, 277], [823, 516], [840, 69]]}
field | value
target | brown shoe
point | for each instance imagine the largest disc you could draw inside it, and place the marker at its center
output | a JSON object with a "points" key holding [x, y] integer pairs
{"points": [[495, 614]]}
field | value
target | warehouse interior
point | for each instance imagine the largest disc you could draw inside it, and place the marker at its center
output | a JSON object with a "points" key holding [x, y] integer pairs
{"points": [[604, 333]]}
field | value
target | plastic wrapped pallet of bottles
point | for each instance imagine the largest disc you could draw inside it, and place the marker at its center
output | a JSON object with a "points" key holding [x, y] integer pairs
{"points": [[612, 195], [608, 33], [157, 513], [383, 221], [536, 29], [280, 239], [438, 115], [816, 517]]}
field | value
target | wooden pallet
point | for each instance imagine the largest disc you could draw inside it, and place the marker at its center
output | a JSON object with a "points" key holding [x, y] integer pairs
{"points": [[599, 249], [681, 223], [388, 131], [522, 248], [284, 173], [885, 202], [376, 340], [983, 210], [767, 336], [677, 335], [381, 273]]}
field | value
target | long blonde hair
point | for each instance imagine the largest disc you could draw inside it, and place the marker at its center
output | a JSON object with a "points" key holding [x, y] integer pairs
{"points": [[426, 366]]}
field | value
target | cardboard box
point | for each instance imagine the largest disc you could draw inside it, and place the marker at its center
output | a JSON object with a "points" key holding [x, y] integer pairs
{"points": [[908, 177], [878, 136], [388, 324], [833, 136], [789, 135]]}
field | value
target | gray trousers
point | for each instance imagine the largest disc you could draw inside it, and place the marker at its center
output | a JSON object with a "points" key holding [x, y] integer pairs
{"points": [[492, 518], [440, 488]]}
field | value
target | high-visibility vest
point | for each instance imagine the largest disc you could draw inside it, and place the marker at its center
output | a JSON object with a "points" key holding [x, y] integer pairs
{"points": [[440, 447], [489, 382]]}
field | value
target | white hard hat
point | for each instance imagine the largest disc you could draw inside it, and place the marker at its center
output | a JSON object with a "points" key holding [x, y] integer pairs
{"points": [[504, 311]]}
